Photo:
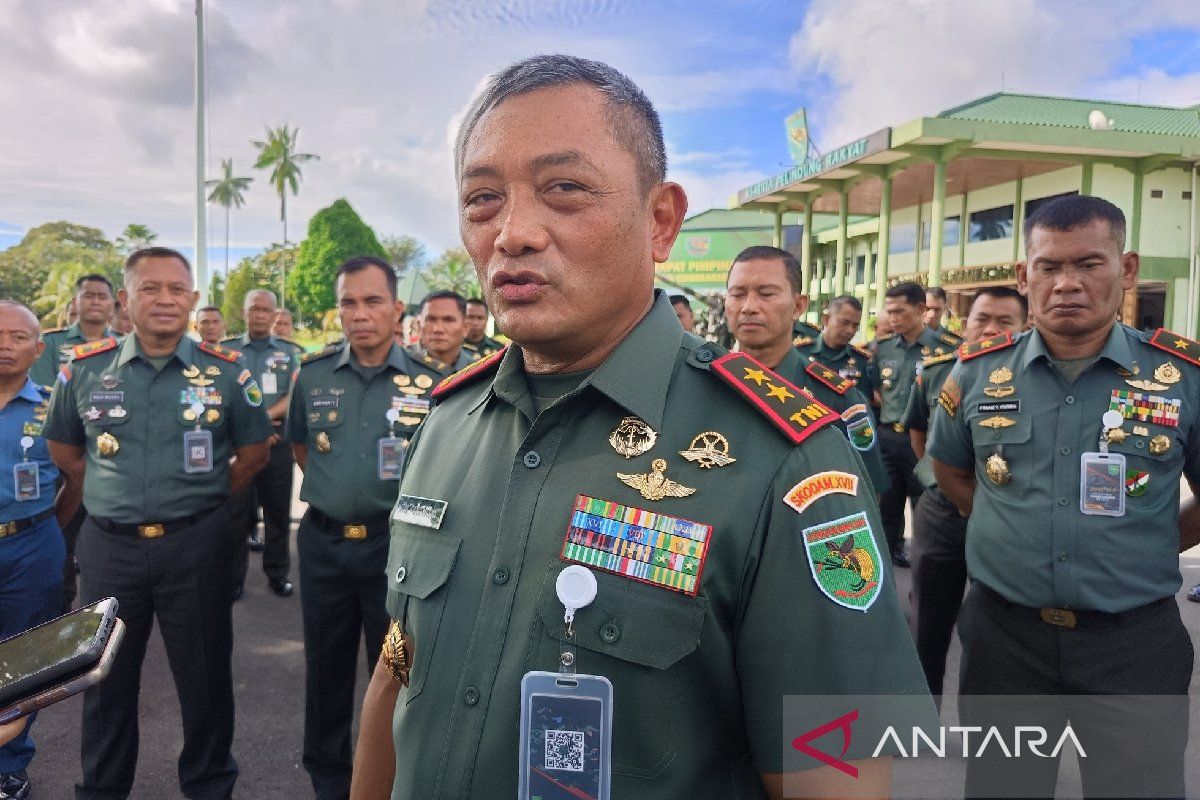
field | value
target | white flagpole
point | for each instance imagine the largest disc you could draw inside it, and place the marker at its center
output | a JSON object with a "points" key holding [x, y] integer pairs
{"points": [[201, 233]]}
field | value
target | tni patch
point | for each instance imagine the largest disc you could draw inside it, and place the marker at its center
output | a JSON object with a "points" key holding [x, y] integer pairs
{"points": [[643, 545], [844, 561]]}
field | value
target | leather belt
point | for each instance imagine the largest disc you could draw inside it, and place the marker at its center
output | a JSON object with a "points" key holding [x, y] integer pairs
{"points": [[18, 525], [149, 530], [349, 530], [1072, 617]]}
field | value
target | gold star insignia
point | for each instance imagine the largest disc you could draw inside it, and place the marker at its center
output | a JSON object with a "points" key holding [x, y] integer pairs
{"points": [[756, 375], [1181, 344], [986, 343], [779, 392]]}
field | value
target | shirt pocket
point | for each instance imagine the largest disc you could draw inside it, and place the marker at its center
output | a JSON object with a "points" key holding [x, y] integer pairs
{"points": [[1140, 457], [419, 566], [638, 636], [324, 412], [1011, 443], [101, 411]]}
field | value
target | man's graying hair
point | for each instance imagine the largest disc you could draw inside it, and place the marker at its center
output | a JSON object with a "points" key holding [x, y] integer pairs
{"points": [[632, 119]]}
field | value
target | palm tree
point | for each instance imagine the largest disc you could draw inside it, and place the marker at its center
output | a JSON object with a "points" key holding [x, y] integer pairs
{"points": [[135, 237], [278, 152], [227, 192]]}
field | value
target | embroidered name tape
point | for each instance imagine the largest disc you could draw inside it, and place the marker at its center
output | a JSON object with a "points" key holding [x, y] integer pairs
{"points": [[652, 548], [422, 511], [823, 484], [1000, 407]]}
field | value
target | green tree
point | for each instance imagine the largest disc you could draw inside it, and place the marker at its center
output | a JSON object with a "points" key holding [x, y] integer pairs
{"points": [[453, 270], [278, 153], [135, 237], [335, 234], [261, 271], [65, 249], [403, 252], [227, 193]]}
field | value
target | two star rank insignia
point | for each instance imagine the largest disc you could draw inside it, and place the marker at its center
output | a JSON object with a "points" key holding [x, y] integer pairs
{"points": [[789, 409]]}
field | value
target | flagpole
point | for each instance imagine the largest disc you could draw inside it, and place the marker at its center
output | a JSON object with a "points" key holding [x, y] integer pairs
{"points": [[201, 223]]}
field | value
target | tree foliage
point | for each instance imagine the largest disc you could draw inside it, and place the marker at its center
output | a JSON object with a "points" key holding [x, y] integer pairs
{"points": [[453, 270], [403, 253], [41, 270], [278, 153], [227, 193], [335, 234], [135, 237], [261, 271]]}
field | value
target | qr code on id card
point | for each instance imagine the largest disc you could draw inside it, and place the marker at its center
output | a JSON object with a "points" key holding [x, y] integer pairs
{"points": [[564, 750]]}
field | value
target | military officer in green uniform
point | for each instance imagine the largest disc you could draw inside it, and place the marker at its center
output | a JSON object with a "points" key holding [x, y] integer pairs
{"points": [[160, 431], [478, 343], [273, 362], [936, 310], [832, 345], [1065, 446], [443, 329], [95, 300], [893, 369], [939, 531], [353, 408], [804, 333], [762, 296], [606, 429]]}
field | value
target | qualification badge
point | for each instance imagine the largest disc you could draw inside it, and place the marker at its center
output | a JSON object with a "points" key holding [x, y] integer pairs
{"points": [[656, 485], [709, 449], [996, 468], [323, 445], [107, 445], [632, 437]]}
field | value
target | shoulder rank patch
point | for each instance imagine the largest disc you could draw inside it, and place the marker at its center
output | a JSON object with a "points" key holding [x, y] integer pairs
{"points": [[802, 341], [862, 351], [972, 349], [949, 339], [944, 357], [53, 330], [223, 353], [92, 348], [1185, 348], [788, 408], [324, 352], [828, 377], [469, 374], [885, 337]]}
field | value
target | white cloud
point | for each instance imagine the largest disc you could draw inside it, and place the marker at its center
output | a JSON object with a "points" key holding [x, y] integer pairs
{"points": [[1154, 87]]}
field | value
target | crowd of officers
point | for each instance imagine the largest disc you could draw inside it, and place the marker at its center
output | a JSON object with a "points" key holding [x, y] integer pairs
{"points": [[153, 453]]}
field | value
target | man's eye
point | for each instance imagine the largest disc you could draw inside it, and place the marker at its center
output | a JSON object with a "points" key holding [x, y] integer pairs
{"points": [[566, 187]]}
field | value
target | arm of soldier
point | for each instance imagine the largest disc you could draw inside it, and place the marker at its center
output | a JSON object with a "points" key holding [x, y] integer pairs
{"points": [[1189, 520], [247, 461], [869, 453], [250, 432], [296, 427], [11, 730], [818, 648], [375, 755], [66, 440], [916, 418], [952, 449], [71, 461]]}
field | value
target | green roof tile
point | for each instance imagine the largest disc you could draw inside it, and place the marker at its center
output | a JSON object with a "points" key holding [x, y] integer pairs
{"points": [[1064, 112]]}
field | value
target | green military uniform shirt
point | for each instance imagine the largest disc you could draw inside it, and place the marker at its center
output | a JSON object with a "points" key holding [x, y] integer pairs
{"points": [[856, 419], [339, 410], [1028, 539], [804, 333], [893, 368], [483, 348], [712, 629], [946, 337], [849, 362], [272, 361], [60, 343], [419, 355], [112, 392], [921, 402]]}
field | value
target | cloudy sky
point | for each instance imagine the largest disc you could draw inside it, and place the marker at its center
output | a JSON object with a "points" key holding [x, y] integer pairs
{"points": [[97, 94]]}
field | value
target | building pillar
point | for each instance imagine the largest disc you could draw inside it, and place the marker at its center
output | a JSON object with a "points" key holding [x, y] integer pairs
{"points": [[777, 231], [937, 214], [839, 269], [963, 227], [1085, 179], [1018, 220], [885, 242], [1135, 217], [806, 266], [868, 273]]}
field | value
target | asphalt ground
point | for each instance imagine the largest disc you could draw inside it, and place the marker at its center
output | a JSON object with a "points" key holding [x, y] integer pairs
{"points": [[268, 672]]}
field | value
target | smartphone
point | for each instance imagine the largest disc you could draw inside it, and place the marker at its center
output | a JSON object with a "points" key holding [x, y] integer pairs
{"points": [[43, 656], [70, 685]]}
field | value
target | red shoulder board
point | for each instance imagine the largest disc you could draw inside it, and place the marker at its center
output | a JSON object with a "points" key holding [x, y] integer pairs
{"points": [[223, 353], [469, 374], [968, 351], [783, 403], [1185, 348], [862, 351], [91, 348], [828, 377]]}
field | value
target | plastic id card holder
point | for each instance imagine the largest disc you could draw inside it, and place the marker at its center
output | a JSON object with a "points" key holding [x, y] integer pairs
{"points": [[26, 485], [391, 458], [1102, 484], [566, 737], [197, 451]]}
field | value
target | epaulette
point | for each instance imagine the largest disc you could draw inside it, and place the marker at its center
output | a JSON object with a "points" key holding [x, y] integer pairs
{"points": [[972, 349], [468, 374], [1185, 348], [788, 408], [949, 339], [88, 349], [929, 362], [223, 353], [862, 351], [232, 338], [828, 377], [802, 341], [53, 330], [45, 389], [289, 341], [885, 337], [325, 352]]}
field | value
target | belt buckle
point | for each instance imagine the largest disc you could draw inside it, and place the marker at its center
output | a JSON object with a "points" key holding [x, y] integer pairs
{"points": [[7, 529], [354, 531], [1058, 616], [898, 427], [152, 531]]}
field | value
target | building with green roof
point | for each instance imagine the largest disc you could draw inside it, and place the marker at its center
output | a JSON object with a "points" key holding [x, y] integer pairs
{"points": [[980, 169]]}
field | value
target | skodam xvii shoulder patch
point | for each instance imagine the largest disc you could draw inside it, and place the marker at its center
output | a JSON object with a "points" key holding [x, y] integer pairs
{"points": [[989, 345], [788, 408], [469, 374], [845, 561]]}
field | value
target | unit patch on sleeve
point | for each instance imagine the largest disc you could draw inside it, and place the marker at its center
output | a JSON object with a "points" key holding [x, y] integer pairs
{"points": [[648, 547], [822, 484], [844, 561], [950, 396]]}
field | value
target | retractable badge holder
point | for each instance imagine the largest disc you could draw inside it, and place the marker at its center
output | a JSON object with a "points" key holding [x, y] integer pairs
{"points": [[1102, 474], [566, 718], [25, 474], [197, 445], [391, 450]]}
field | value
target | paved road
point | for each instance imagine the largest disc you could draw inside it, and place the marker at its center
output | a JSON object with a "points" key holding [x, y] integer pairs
{"points": [[268, 673]]}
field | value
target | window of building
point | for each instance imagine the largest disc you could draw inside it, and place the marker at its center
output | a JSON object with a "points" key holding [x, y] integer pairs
{"points": [[1156, 194], [1037, 202], [991, 223], [1187, 195], [951, 227], [903, 239], [860, 269]]}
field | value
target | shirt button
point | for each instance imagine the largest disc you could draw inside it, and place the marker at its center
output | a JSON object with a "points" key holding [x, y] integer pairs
{"points": [[610, 633], [1062, 556], [704, 356], [401, 574], [532, 459], [1062, 501], [471, 696], [500, 576], [1066, 451], [1070, 399], [1139, 444]]}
